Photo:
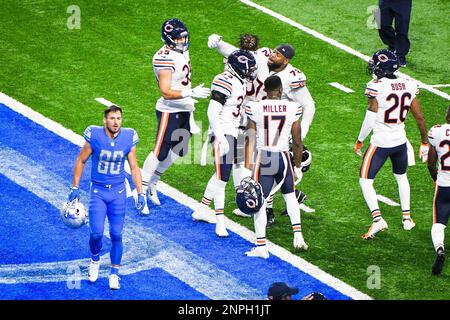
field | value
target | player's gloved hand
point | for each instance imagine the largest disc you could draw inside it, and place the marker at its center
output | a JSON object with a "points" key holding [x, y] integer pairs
{"points": [[198, 92], [140, 204], [74, 194], [357, 148], [298, 173], [423, 151], [223, 144], [213, 40]]}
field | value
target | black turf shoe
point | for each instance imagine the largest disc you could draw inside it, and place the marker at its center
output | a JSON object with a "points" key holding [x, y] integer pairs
{"points": [[439, 262]]}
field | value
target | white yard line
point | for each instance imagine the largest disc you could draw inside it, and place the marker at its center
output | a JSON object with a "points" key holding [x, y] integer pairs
{"points": [[335, 43], [245, 233], [440, 85], [104, 102], [339, 86], [388, 201]]}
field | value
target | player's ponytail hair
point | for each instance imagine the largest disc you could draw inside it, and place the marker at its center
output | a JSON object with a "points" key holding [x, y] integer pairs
{"points": [[111, 108]]}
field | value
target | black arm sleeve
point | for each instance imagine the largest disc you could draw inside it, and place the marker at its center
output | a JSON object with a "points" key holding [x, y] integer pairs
{"points": [[219, 97]]}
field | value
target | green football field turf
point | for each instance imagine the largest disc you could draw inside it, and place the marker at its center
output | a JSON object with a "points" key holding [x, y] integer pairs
{"points": [[59, 73]]}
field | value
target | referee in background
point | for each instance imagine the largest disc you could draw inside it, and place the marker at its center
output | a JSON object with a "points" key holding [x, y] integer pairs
{"points": [[395, 38]]}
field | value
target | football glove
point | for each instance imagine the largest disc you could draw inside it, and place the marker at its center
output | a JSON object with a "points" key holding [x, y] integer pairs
{"points": [[224, 146], [74, 194], [198, 92], [140, 204], [213, 40], [423, 151], [357, 148]]}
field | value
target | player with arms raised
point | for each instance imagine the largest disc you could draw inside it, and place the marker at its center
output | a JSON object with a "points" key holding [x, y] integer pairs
{"points": [[224, 115], [275, 121], [272, 62], [389, 101], [439, 137], [174, 110], [109, 146]]}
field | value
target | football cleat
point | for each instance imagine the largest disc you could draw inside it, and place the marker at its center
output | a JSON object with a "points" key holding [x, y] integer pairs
{"points": [[270, 217], [380, 225], [94, 267], [241, 214], [152, 194], [439, 262], [114, 282], [201, 215], [299, 242], [408, 224], [221, 230], [258, 252]]}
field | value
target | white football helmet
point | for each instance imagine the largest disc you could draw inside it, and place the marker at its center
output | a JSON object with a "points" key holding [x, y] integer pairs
{"points": [[74, 214]]}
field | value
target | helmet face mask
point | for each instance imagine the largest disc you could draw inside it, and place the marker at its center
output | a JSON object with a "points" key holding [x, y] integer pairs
{"points": [[74, 215], [175, 35], [242, 64]]}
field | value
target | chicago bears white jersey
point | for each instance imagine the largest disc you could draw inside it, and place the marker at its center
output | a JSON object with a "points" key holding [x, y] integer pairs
{"points": [[274, 119], [234, 90], [255, 89], [439, 137], [394, 97], [179, 64]]}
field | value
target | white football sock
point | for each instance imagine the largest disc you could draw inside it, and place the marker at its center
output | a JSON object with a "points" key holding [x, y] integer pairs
{"points": [[404, 192], [150, 165], [269, 201], [219, 196], [293, 209], [163, 166], [437, 235], [260, 221], [371, 198]]}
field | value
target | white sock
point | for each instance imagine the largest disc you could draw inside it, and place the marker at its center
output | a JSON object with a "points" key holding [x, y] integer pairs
{"points": [[404, 192], [163, 166], [219, 196], [437, 235], [371, 198], [269, 201], [260, 221], [293, 209], [208, 195], [150, 165]]}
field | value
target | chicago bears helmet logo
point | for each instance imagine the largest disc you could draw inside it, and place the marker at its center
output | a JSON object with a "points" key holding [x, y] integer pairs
{"points": [[251, 203], [383, 58], [168, 28], [243, 59]]}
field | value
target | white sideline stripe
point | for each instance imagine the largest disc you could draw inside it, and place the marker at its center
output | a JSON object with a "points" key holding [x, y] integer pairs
{"points": [[104, 102], [388, 201], [336, 44], [282, 253], [440, 85], [339, 86]]}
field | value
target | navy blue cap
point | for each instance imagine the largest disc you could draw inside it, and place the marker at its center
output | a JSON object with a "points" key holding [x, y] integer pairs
{"points": [[286, 50], [280, 290]]}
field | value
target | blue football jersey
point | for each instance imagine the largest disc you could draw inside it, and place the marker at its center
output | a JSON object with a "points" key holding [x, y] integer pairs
{"points": [[108, 155]]}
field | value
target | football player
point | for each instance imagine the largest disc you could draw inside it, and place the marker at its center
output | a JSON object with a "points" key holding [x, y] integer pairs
{"points": [[275, 120], [273, 62], [109, 146], [389, 100], [174, 110], [439, 137], [224, 115]]}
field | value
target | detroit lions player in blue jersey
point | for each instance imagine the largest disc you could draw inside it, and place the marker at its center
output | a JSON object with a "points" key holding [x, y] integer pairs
{"points": [[109, 145]]}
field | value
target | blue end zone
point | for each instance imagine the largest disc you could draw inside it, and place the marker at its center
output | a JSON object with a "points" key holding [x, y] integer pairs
{"points": [[31, 232]]}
